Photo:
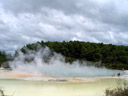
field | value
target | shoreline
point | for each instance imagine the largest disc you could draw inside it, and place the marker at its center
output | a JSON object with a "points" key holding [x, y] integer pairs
{"points": [[7, 74]]}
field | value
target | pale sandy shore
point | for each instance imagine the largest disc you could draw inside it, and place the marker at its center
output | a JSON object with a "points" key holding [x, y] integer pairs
{"points": [[26, 84]]}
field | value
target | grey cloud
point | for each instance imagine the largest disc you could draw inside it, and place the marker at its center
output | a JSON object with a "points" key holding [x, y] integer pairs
{"points": [[36, 5], [28, 21], [108, 12]]}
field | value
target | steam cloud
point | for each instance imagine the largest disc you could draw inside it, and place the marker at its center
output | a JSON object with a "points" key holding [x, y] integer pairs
{"points": [[46, 62]]}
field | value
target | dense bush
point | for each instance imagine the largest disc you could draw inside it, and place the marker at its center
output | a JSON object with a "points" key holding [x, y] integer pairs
{"points": [[4, 58], [2, 92], [110, 56]]}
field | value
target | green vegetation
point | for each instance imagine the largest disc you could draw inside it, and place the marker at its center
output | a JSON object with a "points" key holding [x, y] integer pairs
{"points": [[4, 58], [110, 56], [2, 92], [121, 90]]}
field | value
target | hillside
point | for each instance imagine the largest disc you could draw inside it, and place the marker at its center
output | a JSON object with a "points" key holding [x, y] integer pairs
{"points": [[110, 56]]}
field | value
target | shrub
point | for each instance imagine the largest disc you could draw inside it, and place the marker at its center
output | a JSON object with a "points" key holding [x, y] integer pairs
{"points": [[2, 92], [120, 90]]}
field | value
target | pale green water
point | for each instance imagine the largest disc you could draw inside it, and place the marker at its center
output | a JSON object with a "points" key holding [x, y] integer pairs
{"points": [[41, 88]]}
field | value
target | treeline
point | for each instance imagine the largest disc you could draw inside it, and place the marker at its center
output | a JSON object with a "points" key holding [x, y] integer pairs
{"points": [[110, 56], [4, 58]]}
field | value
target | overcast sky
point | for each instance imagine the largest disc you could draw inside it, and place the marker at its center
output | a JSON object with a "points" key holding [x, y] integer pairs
{"points": [[28, 21]]}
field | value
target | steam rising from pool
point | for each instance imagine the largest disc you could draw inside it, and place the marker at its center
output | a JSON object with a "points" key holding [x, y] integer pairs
{"points": [[46, 62]]}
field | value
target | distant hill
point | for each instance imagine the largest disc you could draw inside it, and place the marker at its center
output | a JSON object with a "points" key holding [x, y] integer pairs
{"points": [[110, 56]]}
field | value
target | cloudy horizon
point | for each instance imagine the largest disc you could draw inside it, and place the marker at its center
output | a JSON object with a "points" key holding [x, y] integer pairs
{"points": [[28, 21]]}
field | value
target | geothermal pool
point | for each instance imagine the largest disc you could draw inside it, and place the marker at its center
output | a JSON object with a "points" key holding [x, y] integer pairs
{"points": [[26, 84], [54, 77]]}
